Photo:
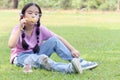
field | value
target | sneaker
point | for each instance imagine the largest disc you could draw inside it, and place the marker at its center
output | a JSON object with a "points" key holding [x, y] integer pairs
{"points": [[88, 65], [44, 61], [77, 65]]}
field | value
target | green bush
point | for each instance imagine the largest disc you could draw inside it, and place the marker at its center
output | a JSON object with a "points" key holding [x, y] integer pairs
{"points": [[108, 5]]}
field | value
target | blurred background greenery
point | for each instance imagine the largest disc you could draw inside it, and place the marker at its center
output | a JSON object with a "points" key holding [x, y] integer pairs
{"points": [[105, 5]]}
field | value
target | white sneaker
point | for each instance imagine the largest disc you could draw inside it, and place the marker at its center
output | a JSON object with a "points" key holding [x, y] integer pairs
{"points": [[88, 64], [77, 65]]}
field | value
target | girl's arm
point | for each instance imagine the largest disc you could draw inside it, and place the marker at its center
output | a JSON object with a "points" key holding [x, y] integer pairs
{"points": [[14, 37], [74, 52]]}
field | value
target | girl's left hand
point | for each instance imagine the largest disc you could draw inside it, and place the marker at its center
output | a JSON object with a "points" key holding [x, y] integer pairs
{"points": [[75, 53]]}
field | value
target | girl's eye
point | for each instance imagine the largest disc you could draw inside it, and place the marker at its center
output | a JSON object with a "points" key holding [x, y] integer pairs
{"points": [[29, 13], [36, 14]]}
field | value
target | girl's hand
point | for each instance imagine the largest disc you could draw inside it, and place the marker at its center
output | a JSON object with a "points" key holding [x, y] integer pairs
{"points": [[22, 23], [75, 53]]}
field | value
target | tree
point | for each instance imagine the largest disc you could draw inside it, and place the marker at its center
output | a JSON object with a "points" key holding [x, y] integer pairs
{"points": [[118, 7], [15, 4]]}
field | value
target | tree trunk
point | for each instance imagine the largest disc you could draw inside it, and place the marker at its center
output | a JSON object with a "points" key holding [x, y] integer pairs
{"points": [[15, 4], [118, 7]]}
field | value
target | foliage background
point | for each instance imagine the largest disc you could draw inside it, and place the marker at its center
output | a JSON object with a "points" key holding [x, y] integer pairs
{"points": [[66, 4]]}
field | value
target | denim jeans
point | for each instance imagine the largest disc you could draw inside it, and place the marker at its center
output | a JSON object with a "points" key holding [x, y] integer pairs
{"points": [[51, 45]]}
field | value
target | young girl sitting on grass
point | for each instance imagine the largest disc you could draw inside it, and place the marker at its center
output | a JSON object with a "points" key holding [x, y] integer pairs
{"points": [[32, 43]]}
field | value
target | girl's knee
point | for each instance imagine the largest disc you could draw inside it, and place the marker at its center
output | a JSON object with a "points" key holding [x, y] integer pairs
{"points": [[43, 55], [54, 38]]}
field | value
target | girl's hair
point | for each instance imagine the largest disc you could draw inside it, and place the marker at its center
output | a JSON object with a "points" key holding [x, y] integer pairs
{"points": [[24, 43]]}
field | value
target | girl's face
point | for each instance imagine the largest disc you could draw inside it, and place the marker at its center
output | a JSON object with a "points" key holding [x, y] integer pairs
{"points": [[32, 13]]}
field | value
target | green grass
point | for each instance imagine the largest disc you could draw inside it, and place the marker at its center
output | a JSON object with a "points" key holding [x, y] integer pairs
{"points": [[95, 35]]}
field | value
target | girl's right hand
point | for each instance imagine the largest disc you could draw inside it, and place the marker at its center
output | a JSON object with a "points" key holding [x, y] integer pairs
{"points": [[22, 23]]}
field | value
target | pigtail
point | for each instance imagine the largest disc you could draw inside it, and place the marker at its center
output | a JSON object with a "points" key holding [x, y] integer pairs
{"points": [[36, 48], [24, 44]]}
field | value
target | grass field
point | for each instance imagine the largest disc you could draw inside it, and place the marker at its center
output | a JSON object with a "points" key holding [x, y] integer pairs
{"points": [[95, 35]]}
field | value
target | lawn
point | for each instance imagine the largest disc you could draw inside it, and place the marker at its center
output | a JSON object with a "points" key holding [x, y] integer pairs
{"points": [[95, 34]]}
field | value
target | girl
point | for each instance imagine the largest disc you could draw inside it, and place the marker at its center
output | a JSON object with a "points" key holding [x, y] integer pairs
{"points": [[31, 43]]}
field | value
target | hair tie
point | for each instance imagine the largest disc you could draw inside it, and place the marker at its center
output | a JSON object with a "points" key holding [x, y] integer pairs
{"points": [[21, 15], [40, 15]]}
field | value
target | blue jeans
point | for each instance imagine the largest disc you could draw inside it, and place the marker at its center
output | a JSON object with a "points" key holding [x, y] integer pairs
{"points": [[51, 45]]}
